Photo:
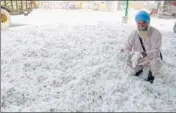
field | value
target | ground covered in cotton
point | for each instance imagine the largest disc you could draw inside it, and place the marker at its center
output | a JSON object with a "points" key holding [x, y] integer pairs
{"points": [[73, 63]]}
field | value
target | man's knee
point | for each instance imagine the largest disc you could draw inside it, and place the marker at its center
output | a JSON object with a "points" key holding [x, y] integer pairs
{"points": [[155, 65]]}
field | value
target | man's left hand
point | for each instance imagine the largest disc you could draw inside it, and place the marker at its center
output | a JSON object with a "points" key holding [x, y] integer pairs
{"points": [[144, 54]]}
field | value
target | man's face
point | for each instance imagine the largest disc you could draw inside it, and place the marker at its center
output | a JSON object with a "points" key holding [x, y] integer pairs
{"points": [[142, 26]]}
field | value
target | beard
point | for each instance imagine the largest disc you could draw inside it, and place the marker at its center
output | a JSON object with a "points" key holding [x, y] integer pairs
{"points": [[144, 33]]}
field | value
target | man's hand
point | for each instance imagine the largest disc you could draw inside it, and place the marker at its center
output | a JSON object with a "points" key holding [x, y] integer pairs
{"points": [[144, 54], [122, 50], [135, 58]]}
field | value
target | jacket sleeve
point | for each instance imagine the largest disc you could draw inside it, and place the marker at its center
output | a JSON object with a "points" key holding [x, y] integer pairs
{"points": [[130, 42], [156, 46]]}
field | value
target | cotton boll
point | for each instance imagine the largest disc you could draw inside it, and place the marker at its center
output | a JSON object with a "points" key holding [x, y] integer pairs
{"points": [[135, 59], [170, 79]]}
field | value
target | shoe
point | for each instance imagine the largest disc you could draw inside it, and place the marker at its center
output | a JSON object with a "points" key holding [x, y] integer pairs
{"points": [[150, 77], [139, 72]]}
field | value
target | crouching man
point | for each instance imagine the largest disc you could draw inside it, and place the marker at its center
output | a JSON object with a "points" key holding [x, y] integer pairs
{"points": [[143, 47]]}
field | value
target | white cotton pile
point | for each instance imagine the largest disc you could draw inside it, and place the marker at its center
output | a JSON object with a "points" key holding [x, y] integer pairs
{"points": [[135, 58]]}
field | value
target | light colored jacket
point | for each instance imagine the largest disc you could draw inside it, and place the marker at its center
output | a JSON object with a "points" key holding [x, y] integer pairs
{"points": [[152, 44]]}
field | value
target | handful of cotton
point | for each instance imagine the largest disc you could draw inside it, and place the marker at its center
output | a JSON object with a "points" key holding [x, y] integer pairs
{"points": [[135, 58]]}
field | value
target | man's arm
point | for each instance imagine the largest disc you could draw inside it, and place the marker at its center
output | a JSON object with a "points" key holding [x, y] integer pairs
{"points": [[156, 46], [130, 42]]}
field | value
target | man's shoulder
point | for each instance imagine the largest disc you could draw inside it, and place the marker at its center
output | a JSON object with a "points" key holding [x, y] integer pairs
{"points": [[133, 33], [155, 30]]}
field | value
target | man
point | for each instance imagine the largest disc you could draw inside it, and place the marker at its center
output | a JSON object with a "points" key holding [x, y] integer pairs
{"points": [[143, 47]]}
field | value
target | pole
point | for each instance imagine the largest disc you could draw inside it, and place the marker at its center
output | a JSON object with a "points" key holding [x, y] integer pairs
{"points": [[125, 18], [126, 10]]}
